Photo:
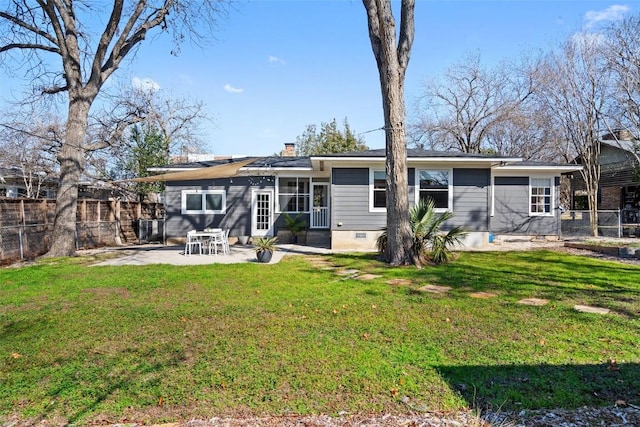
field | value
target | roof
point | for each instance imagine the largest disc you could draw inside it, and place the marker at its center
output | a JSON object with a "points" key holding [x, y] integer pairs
{"points": [[622, 144], [414, 153], [230, 167], [256, 162]]}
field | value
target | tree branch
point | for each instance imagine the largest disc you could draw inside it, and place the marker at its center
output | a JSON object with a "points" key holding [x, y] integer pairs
{"points": [[35, 46], [31, 28]]}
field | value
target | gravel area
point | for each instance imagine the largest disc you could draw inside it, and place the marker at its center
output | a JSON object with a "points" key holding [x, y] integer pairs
{"points": [[616, 416]]}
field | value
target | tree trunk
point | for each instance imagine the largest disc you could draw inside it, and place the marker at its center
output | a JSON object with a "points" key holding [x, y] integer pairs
{"points": [[400, 241], [72, 159], [392, 64]]}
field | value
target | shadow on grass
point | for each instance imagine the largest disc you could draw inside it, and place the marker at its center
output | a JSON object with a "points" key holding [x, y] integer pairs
{"points": [[79, 395], [514, 387]]}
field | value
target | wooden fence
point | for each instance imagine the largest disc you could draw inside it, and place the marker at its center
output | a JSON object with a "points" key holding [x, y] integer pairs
{"points": [[26, 225]]}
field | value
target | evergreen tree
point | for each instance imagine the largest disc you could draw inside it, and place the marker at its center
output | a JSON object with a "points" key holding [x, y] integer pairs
{"points": [[330, 139]]}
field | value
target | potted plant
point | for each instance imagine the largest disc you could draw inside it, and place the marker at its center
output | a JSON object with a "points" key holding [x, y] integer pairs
{"points": [[295, 225], [265, 247]]}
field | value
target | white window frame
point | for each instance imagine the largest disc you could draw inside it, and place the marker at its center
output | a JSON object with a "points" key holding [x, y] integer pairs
{"points": [[449, 187], [204, 209], [297, 194], [551, 195], [372, 172]]}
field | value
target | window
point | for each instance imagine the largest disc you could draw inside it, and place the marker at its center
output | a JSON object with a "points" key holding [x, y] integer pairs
{"points": [[204, 201], [378, 193], [435, 184], [12, 192], [50, 194], [541, 196], [293, 194]]}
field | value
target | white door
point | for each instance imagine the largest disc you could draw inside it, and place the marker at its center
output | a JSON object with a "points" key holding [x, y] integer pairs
{"points": [[320, 205], [262, 213]]}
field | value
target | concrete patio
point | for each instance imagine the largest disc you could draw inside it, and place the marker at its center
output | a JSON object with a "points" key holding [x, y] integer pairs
{"points": [[174, 255]]}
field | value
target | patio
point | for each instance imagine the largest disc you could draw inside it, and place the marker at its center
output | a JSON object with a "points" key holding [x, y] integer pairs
{"points": [[174, 255]]}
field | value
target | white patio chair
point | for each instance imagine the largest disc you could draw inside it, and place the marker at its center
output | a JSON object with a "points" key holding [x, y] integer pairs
{"points": [[225, 241], [217, 239], [192, 243]]}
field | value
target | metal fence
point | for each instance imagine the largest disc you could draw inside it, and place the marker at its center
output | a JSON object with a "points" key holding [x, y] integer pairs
{"points": [[611, 223], [27, 241], [151, 230]]}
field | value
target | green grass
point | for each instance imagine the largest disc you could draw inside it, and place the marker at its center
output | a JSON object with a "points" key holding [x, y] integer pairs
{"points": [[160, 343]]}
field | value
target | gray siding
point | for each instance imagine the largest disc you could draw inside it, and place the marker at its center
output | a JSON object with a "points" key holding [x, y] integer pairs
{"points": [[512, 209], [471, 199], [350, 201], [238, 214]]}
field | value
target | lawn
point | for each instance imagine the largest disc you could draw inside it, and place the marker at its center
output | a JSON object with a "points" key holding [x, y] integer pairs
{"points": [[161, 343]]}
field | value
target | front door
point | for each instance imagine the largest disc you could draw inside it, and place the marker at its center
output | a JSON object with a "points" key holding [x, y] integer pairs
{"points": [[320, 205], [262, 213]]}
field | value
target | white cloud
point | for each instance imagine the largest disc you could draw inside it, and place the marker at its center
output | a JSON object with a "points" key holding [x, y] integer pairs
{"points": [[612, 13], [145, 84], [276, 60], [232, 89]]}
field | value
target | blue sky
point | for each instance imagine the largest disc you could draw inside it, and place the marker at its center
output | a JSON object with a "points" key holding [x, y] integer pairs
{"points": [[278, 66]]}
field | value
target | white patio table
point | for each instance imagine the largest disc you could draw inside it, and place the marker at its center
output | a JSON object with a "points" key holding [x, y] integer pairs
{"points": [[211, 238]]}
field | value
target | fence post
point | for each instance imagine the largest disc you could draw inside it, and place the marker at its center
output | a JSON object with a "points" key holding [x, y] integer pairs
{"points": [[20, 242], [619, 223]]}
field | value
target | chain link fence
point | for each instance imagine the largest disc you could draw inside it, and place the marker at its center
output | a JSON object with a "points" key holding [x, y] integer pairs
{"points": [[611, 223], [151, 230], [26, 225]]}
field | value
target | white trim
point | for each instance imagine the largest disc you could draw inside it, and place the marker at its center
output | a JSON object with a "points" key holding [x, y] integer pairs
{"points": [[551, 196], [449, 189], [204, 209], [539, 169], [492, 196], [327, 187], [463, 160], [372, 172], [254, 231], [277, 206]]}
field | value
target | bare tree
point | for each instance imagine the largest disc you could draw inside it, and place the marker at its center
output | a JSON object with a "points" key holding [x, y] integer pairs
{"points": [[622, 49], [575, 87], [146, 128], [461, 110], [392, 61], [30, 30], [525, 134], [31, 152]]}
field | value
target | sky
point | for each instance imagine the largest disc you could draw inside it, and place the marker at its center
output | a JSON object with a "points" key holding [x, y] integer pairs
{"points": [[276, 67]]}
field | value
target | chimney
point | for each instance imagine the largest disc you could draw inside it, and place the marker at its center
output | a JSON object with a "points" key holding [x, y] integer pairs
{"points": [[289, 150]]}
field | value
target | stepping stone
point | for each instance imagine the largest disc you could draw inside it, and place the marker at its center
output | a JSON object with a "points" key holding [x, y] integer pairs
{"points": [[322, 263], [589, 309], [435, 289], [368, 276], [534, 301], [348, 272], [397, 282], [483, 295]]}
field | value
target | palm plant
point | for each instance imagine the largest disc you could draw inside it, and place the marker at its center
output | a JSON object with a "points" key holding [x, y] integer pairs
{"points": [[429, 242]]}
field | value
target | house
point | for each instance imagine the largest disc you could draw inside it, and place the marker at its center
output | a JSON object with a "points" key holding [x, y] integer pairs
{"points": [[619, 179], [342, 196], [16, 183]]}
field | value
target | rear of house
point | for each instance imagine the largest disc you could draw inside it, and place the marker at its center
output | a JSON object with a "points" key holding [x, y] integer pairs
{"points": [[342, 197]]}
